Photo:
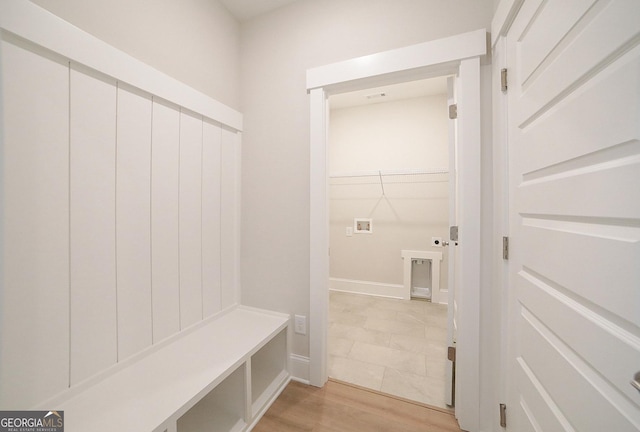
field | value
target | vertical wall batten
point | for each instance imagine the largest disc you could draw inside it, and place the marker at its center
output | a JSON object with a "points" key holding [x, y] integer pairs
{"points": [[69, 210], [115, 215], [165, 167], [92, 212], [228, 220], [179, 227], [226, 205], [133, 212], [211, 300], [190, 218], [151, 222], [34, 293], [201, 218]]}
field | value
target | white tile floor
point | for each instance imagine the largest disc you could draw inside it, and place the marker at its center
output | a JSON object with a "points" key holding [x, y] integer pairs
{"points": [[393, 346]]}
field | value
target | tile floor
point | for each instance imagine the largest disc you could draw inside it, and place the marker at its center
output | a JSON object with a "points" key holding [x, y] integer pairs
{"points": [[393, 346]]}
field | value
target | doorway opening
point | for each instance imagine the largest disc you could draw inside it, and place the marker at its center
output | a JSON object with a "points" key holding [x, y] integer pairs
{"points": [[458, 55], [388, 173]]}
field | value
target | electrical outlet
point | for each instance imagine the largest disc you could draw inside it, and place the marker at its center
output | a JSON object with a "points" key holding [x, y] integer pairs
{"points": [[300, 325], [349, 231]]}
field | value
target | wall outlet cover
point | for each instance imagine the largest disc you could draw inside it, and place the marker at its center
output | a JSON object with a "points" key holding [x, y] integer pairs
{"points": [[300, 324]]}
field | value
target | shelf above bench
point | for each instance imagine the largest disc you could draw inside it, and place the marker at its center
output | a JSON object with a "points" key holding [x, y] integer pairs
{"points": [[152, 393]]}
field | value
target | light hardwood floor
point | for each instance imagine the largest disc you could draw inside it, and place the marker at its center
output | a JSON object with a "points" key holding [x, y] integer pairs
{"points": [[342, 407]]}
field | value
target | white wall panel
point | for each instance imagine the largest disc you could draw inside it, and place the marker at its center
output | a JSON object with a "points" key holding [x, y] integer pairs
{"points": [[165, 158], [211, 295], [90, 208], [92, 193], [229, 217], [190, 219], [133, 222], [34, 286]]}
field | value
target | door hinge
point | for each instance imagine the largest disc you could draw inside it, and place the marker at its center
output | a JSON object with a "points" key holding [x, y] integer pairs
{"points": [[453, 233], [505, 248], [453, 111], [503, 415], [503, 80], [451, 353]]}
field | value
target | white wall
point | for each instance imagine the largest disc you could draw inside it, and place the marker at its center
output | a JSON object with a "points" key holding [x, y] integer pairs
{"points": [[194, 41], [397, 135], [405, 134], [276, 51]]}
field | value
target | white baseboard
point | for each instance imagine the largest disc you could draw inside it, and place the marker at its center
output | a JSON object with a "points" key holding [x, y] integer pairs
{"points": [[299, 368], [366, 287]]}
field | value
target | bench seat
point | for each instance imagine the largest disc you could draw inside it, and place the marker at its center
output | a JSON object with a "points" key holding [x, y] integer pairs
{"points": [[153, 392]]}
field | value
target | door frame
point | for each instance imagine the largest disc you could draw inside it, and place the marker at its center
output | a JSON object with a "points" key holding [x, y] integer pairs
{"points": [[452, 251], [459, 55], [504, 16]]}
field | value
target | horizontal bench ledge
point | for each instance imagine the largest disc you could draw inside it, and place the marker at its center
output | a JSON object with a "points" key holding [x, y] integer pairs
{"points": [[142, 396]]}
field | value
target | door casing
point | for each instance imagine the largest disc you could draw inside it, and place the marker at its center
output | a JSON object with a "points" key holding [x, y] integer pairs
{"points": [[459, 55]]}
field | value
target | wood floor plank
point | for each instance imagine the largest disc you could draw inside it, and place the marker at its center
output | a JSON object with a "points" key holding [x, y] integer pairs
{"points": [[341, 407]]}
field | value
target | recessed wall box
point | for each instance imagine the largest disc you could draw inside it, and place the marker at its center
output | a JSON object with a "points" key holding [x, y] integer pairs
{"points": [[362, 226]]}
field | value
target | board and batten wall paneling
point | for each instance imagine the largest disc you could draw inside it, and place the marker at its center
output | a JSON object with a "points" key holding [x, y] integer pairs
{"points": [[133, 221], [229, 216], [211, 293], [190, 219], [93, 224], [102, 242], [165, 279], [34, 292]]}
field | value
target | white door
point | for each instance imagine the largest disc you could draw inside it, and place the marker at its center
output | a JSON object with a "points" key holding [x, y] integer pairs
{"points": [[574, 162], [452, 249]]}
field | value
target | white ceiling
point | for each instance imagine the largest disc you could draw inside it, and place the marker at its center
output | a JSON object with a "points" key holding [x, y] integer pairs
{"points": [[246, 9], [408, 90]]}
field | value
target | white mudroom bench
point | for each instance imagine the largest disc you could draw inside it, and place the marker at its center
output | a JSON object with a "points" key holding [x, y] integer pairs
{"points": [[221, 376]]}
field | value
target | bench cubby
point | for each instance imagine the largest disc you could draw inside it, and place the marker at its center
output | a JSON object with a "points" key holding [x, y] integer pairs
{"points": [[268, 370], [223, 409], [220, 376]]}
